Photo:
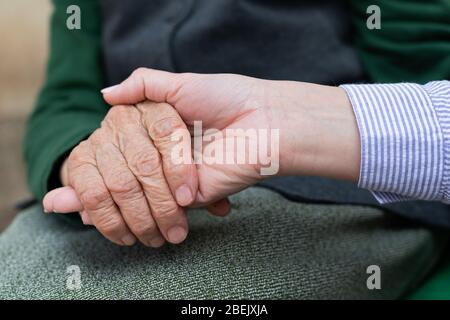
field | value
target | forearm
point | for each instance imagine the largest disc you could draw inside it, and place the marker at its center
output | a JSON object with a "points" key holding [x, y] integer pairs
{"points": [[321, 137], [391, 138]]}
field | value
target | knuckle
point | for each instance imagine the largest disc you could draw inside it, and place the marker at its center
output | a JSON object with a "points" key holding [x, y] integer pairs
{"points": [[147, 163], [123, 183], [164, 128], [95, 198], [121, 118], [97, 137], [165, 210], [141, 71], [109, 224], [175, 172], [144, 228], [117, 112], [74, 156], [79, 152]]}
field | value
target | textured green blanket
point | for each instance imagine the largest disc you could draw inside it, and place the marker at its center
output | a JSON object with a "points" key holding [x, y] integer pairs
{"points": [[268, 247]]}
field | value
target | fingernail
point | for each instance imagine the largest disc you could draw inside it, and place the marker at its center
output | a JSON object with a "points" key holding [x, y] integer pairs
{"points": [[176, 234], [129, 240], [157, 242], [109, 89], [183, 195], [46, 211]]}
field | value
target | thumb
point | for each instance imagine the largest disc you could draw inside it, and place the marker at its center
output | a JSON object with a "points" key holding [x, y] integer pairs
{"points": [[144, 84], [62, 200]]}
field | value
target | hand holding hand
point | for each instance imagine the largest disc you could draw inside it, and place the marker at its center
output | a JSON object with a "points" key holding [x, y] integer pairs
{"points": [[318, 134], [317, 129]]}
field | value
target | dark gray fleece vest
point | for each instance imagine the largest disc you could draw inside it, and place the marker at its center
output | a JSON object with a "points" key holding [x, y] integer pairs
{"points": [[289, 40]]}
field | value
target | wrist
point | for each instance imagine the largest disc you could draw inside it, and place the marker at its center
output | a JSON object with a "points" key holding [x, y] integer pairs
{"points": [[319, 134]]}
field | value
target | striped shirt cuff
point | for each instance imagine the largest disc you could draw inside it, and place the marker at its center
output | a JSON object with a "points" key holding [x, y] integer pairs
{"points": [[405, 139]]}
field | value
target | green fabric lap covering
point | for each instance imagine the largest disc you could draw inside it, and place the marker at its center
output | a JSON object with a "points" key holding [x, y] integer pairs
{"points": [[268, 247], [437, 287]]}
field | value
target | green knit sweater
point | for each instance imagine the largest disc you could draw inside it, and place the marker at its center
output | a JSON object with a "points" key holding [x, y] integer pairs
{"points": [[412, 45]]}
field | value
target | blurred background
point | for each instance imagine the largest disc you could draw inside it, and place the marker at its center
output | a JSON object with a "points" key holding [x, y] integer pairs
{"points": [[23, 53]]}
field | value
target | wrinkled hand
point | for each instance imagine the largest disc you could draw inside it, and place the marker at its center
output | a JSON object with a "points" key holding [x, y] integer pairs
{"points": [[317, 130], [220, 102], [124, 179]]}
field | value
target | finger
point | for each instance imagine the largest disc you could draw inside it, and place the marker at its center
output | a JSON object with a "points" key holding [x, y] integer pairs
{"points": [[65, 200], [85, 218], [127, 193], [173, 141], [62, 200], [144, 84], [220, 208], [144, 161], [95, 197]]}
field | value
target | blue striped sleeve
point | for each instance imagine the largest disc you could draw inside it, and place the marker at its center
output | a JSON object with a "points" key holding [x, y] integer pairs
{"points": [[405, 139]]}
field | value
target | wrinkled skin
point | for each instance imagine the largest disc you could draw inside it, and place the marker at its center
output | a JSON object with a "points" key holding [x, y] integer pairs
{"points": [[120, 179], [318, 136]]}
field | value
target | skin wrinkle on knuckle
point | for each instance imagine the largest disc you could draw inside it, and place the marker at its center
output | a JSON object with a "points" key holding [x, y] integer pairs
{"points": [[116, 112], [78, 176], [163, 128], [95, 198], [108, 224], [124, 183], [145, 229], [167, 146], [105, 122], [146, 164], [98, 137], [130, 136], [78, 154], [125, 191], [167, 134], [164, 210], [73, 161], [176, 173], [119, 118], [126, 115]]}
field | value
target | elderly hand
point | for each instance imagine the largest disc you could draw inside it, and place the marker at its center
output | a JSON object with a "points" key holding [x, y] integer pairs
{"points": [[318, 134], [124, 179]]}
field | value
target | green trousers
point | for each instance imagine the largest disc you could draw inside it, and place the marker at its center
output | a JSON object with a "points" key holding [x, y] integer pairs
{"points": [[268, 247]]}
